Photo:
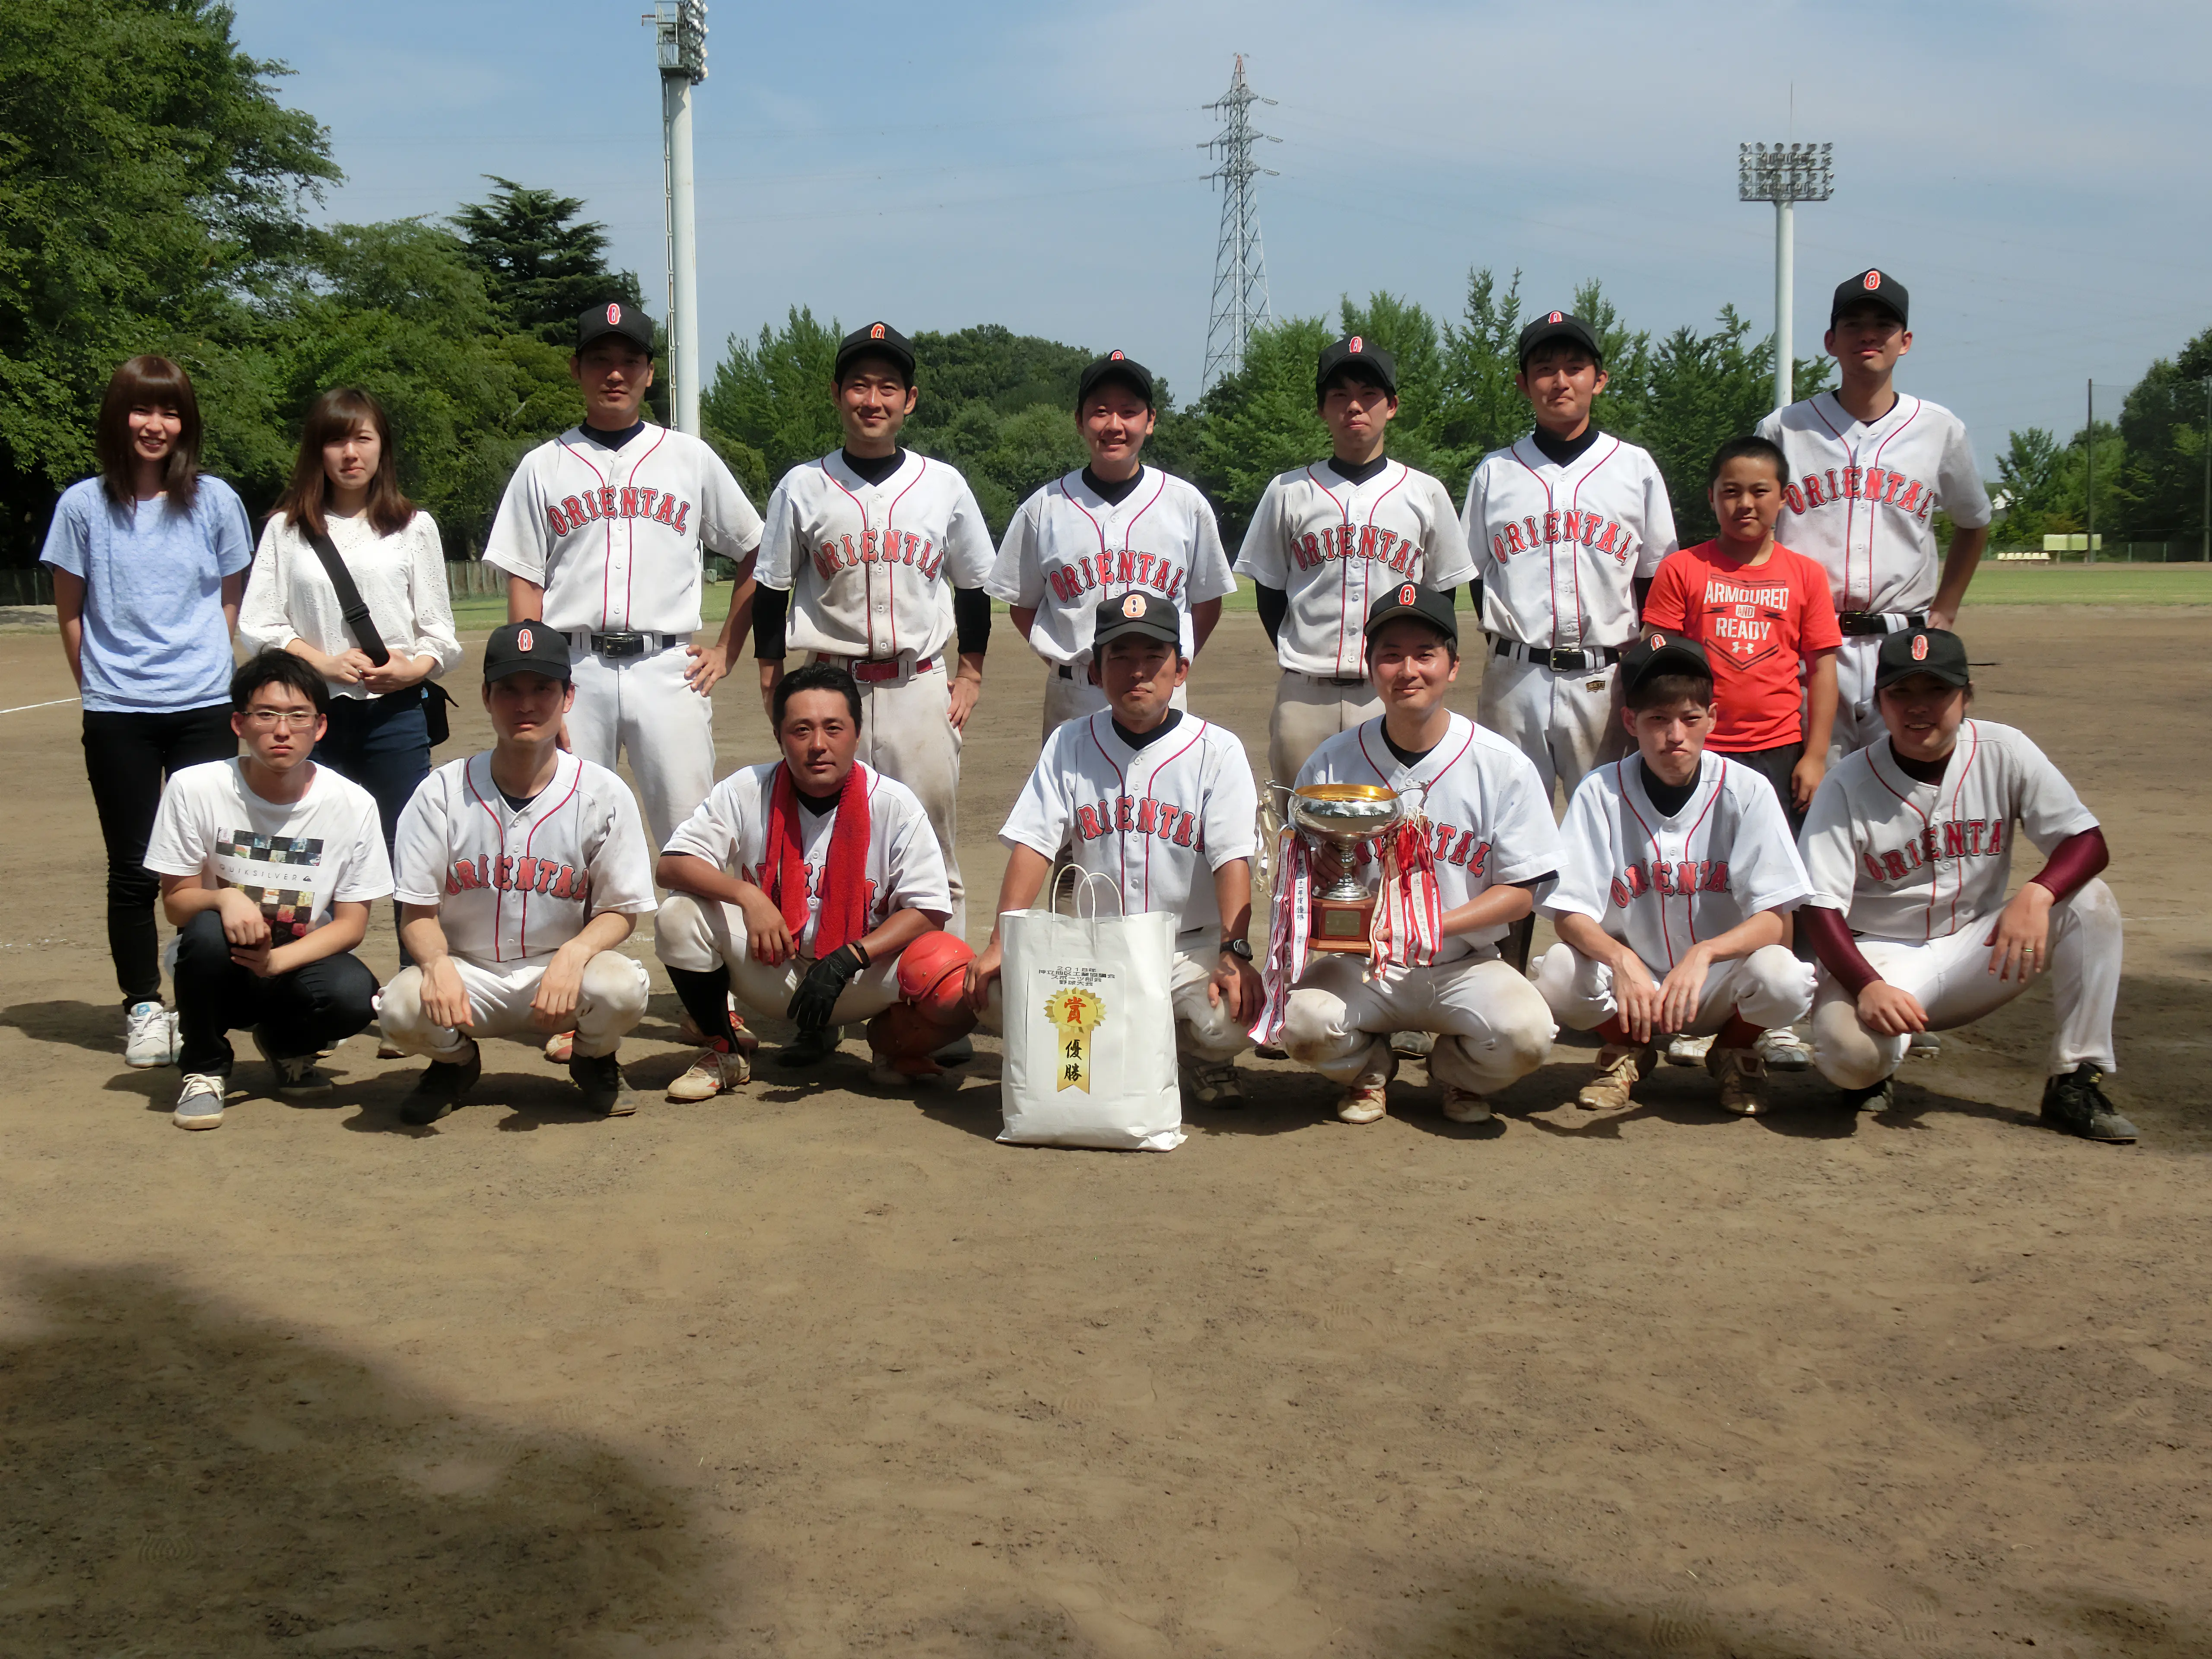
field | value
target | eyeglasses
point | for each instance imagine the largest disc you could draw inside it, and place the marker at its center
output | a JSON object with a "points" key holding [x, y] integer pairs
{"points": [[297, 720]]}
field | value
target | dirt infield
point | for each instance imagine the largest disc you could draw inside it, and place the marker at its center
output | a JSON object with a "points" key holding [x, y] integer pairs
{"points": [[823, 1371]]}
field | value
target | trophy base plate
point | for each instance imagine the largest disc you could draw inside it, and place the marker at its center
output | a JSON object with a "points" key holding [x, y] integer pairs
{"points": [[1340, 926]]}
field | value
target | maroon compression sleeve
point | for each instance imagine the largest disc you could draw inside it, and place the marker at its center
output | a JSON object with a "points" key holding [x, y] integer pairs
{"points": [[1831, 941], [2073, 861]]}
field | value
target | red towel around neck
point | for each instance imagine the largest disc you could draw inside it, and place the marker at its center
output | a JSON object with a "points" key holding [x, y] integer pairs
{"points": [[844, 882]]}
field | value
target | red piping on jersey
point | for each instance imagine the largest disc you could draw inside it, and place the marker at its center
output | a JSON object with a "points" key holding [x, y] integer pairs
{"points": [[1851, 508], [1552, 553], [1344, 564], [1689, 900], [630, 529], [1099, 530], [609, 557], [1934, 869], [1122, 779], [499, 824], [538, 823], [890, 572]]}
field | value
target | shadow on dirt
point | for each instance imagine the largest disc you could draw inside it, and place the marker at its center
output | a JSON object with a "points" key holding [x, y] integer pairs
{"points": [[185, 1480]]}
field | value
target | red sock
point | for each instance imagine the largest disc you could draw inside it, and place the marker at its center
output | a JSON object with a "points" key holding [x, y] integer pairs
{"points": [[1737, 1033], [1615, 1034]]}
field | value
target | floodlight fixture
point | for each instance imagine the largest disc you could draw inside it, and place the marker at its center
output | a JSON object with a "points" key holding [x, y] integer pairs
{"points": [[1784, 174]]}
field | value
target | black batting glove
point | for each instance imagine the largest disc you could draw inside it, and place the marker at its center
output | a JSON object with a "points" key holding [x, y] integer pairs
{"points": [[816, 999]]}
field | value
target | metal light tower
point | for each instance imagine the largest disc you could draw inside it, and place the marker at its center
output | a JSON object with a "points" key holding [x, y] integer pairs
{"points": [[1784, 174], [1240, 270], [679, 29]]}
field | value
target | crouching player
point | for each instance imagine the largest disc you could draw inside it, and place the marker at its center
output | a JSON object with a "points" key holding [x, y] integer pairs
{"points": [[813, 887], [1161, 803], [1491, 846], [1670, 910], [519, 870], [1909, 846]]}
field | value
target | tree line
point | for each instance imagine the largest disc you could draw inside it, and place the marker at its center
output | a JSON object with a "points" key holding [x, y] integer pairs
{"points": [[155, 195]]}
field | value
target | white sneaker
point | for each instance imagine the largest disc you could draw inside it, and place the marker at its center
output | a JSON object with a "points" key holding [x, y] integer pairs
{"points": [[199, 1105], [1369, 1098], [560, 1047], [1783, 1050], [150, 1036], [1682, 1049], [713, 1072], [1465, 1106]]}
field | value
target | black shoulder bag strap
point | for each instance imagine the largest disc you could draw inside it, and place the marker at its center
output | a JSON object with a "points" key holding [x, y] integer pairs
{"points": [[362, 627]]}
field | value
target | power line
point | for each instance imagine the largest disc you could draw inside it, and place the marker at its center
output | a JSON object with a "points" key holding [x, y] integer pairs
{"points": [[1240, 268]]}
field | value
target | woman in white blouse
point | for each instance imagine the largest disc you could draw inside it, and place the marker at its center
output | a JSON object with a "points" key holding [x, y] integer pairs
{"points": [[345, 485]]}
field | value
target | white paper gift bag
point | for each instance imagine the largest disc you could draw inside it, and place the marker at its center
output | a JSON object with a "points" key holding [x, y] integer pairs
{"points": [[1089, 1027]]}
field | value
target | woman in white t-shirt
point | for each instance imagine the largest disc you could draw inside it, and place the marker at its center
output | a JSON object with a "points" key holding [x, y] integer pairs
{"points": [[345, 485]]}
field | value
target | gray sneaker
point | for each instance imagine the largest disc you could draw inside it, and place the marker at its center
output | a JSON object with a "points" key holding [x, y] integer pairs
{"points": [[150, 1036], [1215, 1085], [297, 1075], [199, 1104]]}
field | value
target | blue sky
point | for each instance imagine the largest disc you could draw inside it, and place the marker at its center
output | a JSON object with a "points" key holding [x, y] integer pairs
{"points": [[2036, 173]]}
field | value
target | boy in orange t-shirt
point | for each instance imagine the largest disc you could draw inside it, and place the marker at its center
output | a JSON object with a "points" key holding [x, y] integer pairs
{"points": [[1760, 611]]}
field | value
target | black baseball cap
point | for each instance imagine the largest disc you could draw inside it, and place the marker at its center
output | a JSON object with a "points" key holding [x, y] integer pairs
{"points": [[1412, 599], [1875, 286], [615, 317], [1935, 652], [1138, 613], [1366, 360], [1662, 653], [1559, 326], [1114, 365], [876, 340], [526, 647]]}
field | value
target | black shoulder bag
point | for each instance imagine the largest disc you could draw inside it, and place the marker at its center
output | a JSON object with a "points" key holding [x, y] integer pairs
{"points": [[436, 700]]}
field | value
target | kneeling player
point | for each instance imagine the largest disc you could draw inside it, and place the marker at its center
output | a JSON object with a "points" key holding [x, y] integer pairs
{"points": [[519, 873], [1671, 909], [1490, 845], [1909, 845], [1161, 803], [813, 887]]}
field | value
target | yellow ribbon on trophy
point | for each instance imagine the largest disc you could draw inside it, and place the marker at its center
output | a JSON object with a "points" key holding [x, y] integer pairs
{"points": [[1075, 1015]]}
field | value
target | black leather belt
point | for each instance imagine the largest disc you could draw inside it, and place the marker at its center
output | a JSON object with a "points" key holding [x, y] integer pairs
{"points": [[615, 647], [1338, 679], [1560, 661], [1875, 621], [1064, 672]]}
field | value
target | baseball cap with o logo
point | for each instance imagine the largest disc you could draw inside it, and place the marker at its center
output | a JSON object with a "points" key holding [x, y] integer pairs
{"points": [[1875, 284], [1367, 362], [1563, 327], [1421, 604], [1137, 612], [526, 647], [1117, 366], [615, 317], [1935, 652], [878, 339]]}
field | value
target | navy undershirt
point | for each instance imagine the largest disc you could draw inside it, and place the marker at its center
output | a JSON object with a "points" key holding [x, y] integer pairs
{"points": [[1356, 472], [1139, 739], [874, 469], [1406, 756], [518, 803], [816, 805], [1115, 491], [613, 440], [1921, 771], [1565, 452], [1668, 798]]}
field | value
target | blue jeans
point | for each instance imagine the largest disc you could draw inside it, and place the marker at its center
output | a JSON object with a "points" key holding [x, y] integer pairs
{"points": [[383, 745]]}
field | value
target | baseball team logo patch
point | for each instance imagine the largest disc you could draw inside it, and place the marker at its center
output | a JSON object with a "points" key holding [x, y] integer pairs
{"points": [[1556, 317], [1116, 356], [1874, 279], [877, 332], [1920, 647], [1658, 640], [1355, 345], [1132, 604], [614, 313], [523, 641], [1409, 593]]}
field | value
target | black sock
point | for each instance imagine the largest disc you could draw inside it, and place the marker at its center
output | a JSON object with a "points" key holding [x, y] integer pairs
{"points": [[705, 997]]}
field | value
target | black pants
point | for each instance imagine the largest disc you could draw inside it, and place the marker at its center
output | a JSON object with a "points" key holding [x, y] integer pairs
{"points": [[303, 1011], [1776, 765], [382, 744], [129, 756]]}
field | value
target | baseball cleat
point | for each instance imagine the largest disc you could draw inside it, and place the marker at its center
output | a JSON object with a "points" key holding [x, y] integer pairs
{"points": [[1368, 1098], [604, 1089], [440, 1087], [297, 1075], [1783, 1050], [2075, 1103], [1683, 1050], [715, 1071], [1465, 1106], [150, 1036], [560, 1047], [1878, 1097], [1925, 1045], [1617, 1070], [199, 1104], [1742, 1077], [1218, 1085]]}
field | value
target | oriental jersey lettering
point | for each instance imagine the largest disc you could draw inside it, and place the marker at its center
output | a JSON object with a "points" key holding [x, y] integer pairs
{"points": [[572, 513], [1370, 542], [1938, 843], [877, 910], [519, 875], [1678, 880], [871, 546], [1914, 498], [1146, 815], [1119, 567], [1540, 532]]}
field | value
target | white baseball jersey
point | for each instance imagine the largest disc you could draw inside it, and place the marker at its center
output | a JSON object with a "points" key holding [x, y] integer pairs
{"points": [[871, 568], [1863, 497], [1069, 549], [1660, 885], [613, 535], [905, 870], [1331, 543], [1559, 548], [1156, 821], [1917, 861], [512, 885], [1489, 817]]}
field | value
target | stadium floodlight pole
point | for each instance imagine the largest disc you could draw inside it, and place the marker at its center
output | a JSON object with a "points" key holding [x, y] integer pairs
{"points": [[1784, 174], [679, 29]]}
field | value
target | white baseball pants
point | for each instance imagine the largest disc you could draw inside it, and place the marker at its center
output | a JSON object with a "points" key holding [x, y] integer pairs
{"points": [[1074, 697], [1564, 723], [1491, 1026], [610, 1004], [1308, 712], [1858, 722], [1770, 987], [643, 706], [696, 934], [906, 732], [1952, 979]]}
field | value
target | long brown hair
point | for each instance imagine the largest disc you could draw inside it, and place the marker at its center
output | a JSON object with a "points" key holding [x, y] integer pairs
{"points": [[145, 382], [335, 414]]}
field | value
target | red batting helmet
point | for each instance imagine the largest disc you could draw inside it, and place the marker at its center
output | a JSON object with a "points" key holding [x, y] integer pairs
{"points": [[933, 972]]}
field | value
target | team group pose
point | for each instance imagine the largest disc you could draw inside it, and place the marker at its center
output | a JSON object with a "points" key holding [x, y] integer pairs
{"points": [[1780, 812]]}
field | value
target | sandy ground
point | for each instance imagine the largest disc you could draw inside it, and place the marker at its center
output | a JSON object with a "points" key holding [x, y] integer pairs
{"points": [[823, 1371]]}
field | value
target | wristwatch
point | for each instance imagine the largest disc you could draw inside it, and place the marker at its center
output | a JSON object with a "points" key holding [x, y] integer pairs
{"points": [[1239, 948]]}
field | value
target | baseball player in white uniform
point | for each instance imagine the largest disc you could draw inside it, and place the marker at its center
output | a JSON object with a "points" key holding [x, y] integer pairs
{"points": [[1869, 469], [1564, 525], [813, 886], [1108, 529], [1487, 850], [519, 872], [1672, 908], [1161, 803], [1909, 846], [872, 559], [1327, 538], [601, 532]]}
